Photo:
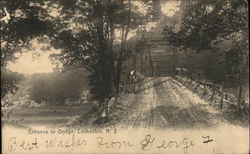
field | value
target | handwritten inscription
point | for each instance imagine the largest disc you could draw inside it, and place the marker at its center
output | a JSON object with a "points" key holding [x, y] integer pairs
{"points": [[12, 144], [207, 139], [101, 143], [53, 143], [48, 143], [146, 143]]}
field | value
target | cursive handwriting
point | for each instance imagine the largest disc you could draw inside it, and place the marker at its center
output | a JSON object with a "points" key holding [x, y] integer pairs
{"points": [[65, 144], [147, 143], [112, 144], [185, 144], [48, 143], [12, 145], [29, 145]]}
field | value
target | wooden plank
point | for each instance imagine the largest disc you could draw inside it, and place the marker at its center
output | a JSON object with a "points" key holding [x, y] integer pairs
{"points": [[138, 74]]}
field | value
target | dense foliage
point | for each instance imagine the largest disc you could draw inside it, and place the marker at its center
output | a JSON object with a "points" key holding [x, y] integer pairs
{"points": [[21, 21], [205, 26], [9, 82], [57, 87]]}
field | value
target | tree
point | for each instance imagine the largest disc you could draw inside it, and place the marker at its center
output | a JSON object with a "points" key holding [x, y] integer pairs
{"points": [[206, 24], [21, 21], [90, 41]]}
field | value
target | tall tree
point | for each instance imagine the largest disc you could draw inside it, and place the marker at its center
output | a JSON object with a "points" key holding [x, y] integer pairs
{"points": [[89, 34]]}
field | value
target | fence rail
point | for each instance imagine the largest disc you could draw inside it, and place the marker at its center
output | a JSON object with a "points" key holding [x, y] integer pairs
{"points": [[212, 91]]}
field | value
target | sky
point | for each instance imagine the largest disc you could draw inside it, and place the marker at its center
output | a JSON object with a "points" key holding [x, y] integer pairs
{"points": [[34, 60], [170, 8], [37, 60], [26, 64]]}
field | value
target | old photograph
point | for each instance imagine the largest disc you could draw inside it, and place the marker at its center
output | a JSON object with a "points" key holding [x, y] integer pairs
{"points": [[124, 76]]}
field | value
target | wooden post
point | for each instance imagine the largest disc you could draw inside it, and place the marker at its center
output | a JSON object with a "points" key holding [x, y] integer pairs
{"points": [[197, 86], [151, 63], [186, 81], [204, 90], [174, 62], [245, 105], [212, 97], [191, 78], [141, 62], [135, 61], [146, 64], [239, 98], [226, 96], [154, 69], [106, 107], [182, 72], [222, 96]]}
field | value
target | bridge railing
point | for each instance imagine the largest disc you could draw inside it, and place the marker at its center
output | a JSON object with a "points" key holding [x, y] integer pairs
{"points": [[211, 91]]}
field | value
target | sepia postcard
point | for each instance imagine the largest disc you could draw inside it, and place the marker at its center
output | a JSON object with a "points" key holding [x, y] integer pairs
{"points": [[124, 76]]}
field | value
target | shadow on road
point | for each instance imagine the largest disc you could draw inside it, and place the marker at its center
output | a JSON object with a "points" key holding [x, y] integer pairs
{"points": [[176, 117], [152, 86], [233, 117]]}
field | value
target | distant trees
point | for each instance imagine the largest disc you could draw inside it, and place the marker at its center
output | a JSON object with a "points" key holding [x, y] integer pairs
{"points": [[9, 82], [57, 87]]}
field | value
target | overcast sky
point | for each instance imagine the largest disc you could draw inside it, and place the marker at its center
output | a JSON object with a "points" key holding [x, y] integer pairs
{"points": [[37, 61]]}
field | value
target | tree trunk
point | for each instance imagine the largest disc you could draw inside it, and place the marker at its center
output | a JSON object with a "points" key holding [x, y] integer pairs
{"points": [[123, 41], [105, 62]]}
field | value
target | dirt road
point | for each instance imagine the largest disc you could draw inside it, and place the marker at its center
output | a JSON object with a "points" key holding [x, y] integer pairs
{"points": [[164, 103]]}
